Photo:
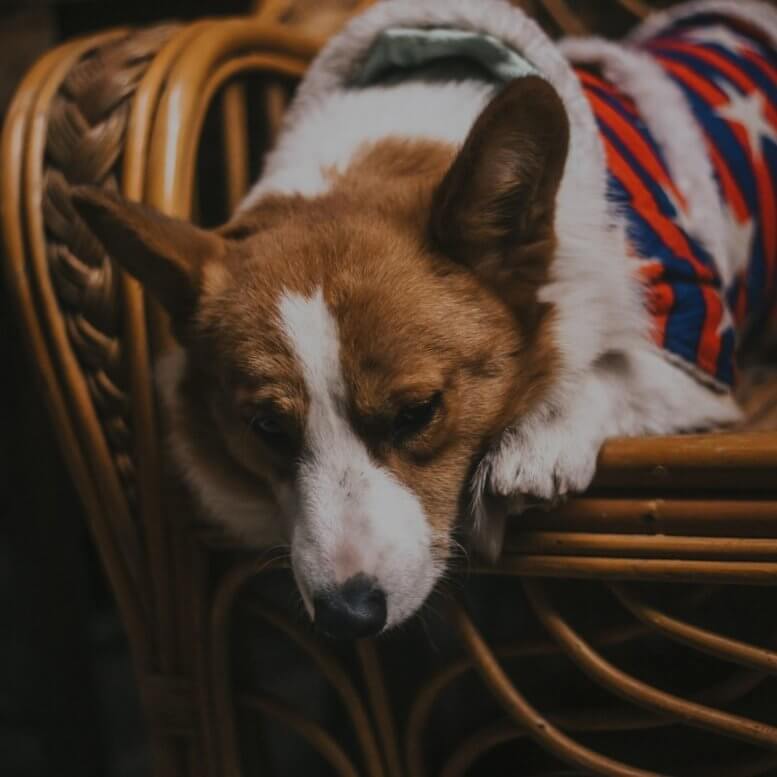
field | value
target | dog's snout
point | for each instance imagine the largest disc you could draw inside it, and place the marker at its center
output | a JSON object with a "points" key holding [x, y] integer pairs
{"points": [[355, 610]]}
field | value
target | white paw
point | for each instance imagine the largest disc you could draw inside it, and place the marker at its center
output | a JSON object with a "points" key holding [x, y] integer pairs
{"points": [[542, 462]]}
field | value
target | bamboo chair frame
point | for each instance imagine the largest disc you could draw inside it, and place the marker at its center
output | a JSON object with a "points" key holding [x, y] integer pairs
{"points": [[125, 109]]}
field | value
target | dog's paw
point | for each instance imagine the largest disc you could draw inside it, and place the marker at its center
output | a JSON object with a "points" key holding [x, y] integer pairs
{"points": [[545, 462]]}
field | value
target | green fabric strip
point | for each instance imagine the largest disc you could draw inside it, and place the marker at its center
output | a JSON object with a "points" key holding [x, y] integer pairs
{"points": [[411, 48]]}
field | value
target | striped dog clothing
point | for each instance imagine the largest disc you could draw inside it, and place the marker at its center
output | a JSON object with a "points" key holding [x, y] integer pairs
{"points": [[727, 71]]}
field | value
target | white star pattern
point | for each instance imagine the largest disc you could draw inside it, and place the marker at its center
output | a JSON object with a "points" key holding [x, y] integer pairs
{"points": [[720, 35], [739, 244], [749, 111]]}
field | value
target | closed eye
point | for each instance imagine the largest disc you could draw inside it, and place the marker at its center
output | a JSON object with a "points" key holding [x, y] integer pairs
{"points": [[264, 425], [414, 417], [274, 429]]}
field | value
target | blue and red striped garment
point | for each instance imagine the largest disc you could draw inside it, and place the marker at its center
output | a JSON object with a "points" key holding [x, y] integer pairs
{"points": [[728, 73]]}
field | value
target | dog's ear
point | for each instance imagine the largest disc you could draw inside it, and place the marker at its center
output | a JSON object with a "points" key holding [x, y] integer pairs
{"points": [[494, 209], [166, 255]]}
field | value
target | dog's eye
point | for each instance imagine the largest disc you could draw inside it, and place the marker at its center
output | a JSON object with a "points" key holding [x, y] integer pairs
{"points": [[267, 426], [414, 418]]}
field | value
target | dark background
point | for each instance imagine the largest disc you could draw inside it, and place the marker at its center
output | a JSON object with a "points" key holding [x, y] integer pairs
{"points": [[68, 705]]}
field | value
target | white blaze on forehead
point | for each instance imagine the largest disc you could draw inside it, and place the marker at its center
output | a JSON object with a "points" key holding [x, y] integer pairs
{"points": [[354, 516], [312, 334]]}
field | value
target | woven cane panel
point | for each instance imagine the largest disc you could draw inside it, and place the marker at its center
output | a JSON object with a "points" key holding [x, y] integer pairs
{"points": [[504, 676]]}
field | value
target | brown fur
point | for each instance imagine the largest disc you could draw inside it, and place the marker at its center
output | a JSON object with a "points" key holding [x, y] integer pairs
{"points": [[430, 262]]}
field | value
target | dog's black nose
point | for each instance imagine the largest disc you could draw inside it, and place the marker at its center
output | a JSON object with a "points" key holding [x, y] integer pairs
{"points": [[355, 610]]}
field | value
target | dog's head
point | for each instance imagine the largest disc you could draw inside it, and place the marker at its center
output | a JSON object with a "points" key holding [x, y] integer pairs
{"points": [[350, 356]]}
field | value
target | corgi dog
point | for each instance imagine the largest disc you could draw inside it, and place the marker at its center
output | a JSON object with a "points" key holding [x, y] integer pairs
{"points": [[472, 257]]}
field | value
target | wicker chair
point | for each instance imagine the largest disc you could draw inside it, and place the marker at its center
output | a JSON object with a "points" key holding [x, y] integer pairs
{"points": [[653, 588]]}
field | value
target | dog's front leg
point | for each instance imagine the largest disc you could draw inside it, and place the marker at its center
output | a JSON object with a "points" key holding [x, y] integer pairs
{"points": [[553, 451]]}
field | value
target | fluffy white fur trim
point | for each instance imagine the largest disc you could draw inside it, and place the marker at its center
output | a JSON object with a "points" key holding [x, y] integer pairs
{"points": [[495, 17]]}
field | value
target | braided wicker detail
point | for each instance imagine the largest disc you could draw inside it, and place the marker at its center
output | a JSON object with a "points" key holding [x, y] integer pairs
{"points": [[87, 124]]}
